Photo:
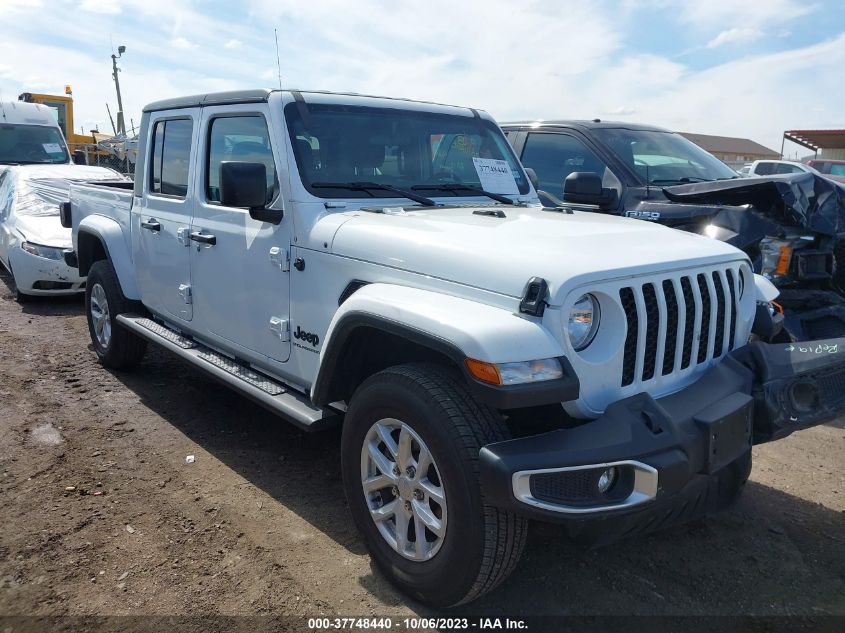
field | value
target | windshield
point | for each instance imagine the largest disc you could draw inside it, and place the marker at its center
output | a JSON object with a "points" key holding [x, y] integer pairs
{"points": [[664, 157], [390, 149], [25, 144]]}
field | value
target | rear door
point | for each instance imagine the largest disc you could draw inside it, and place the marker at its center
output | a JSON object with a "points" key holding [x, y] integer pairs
{"points": [[240, 269], [161, 219]]}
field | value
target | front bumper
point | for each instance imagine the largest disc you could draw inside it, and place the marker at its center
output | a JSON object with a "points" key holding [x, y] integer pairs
{"points": [[41, 276], [675, 458]]}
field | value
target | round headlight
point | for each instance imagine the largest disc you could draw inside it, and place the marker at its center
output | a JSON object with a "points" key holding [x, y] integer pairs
{"points": [[583, 321]]}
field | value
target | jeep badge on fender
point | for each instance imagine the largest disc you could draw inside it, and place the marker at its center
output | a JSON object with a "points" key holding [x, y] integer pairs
{"points": [[308, 337]]}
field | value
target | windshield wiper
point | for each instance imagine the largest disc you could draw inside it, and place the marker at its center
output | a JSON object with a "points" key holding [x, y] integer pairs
{"points": [[457, 186], [684, 180], [367, 186]]}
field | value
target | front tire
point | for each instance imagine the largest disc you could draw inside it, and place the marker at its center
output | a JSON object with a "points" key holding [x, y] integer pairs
{"points": [[116, 347], [411, 439], [20, 297]]}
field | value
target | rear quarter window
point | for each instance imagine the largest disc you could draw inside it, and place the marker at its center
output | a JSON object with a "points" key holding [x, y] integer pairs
{"points": [[171, 157]]}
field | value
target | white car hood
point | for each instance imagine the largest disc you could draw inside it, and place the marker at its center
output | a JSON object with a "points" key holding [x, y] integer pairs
{"points": [[44, 230], [502, 254], [36, 193]]}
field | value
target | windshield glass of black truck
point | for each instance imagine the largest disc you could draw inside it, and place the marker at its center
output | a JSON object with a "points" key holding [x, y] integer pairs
{"points": [[664, 158], [341, 148]]}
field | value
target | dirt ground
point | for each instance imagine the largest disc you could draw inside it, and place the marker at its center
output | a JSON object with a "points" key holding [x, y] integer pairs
{"points": [[257, 524]]}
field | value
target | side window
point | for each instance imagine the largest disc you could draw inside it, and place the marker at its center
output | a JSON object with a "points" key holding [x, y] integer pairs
{"points": [[171, 155], [764, 169], [554, 156], [789, 169], [238, 138]]}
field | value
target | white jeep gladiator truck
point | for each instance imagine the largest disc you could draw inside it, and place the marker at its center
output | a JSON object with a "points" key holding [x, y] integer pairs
{"points": [[385, 265]]}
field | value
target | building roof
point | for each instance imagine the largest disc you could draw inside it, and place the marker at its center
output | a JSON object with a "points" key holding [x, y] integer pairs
{"points": [[817, 139], [730, 145]]}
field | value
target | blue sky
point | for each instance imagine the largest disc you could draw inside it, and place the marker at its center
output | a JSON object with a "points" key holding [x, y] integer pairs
{"points": [[750, 68]]}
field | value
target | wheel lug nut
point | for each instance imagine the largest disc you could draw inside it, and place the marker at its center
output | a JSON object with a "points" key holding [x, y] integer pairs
{"points": [[395, 491], [396, 470], [410, 471], [408, 506], [418, 495]]}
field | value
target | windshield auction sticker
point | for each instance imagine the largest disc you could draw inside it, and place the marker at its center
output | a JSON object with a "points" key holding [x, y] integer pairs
{"points": [[52, 148], [495, 175]]}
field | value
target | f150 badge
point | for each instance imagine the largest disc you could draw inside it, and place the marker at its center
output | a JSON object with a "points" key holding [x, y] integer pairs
{"points": [[308, 337], [643, 215]]}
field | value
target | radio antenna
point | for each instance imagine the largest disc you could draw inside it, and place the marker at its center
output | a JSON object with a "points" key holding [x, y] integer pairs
{"points": [[278, 61]]}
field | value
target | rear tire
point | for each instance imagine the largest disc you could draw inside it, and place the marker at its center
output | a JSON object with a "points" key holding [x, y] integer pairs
{"points": [[481, 544], [116, 347]]}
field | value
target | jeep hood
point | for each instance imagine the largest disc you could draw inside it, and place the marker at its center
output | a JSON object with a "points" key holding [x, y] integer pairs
{"points": [[501, 254]]}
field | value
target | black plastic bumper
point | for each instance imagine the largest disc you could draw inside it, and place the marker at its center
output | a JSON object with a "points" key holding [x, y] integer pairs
{"points": [[696, 443]]}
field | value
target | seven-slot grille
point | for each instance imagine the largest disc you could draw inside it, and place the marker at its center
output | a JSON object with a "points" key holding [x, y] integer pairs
{"points": [[678, 323]]}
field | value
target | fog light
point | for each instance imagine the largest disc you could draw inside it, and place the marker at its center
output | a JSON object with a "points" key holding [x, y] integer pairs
{"points": [[804, 396], [607, 479]]}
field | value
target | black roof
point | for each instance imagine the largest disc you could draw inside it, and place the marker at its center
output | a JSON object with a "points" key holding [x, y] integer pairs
{"points": [[587, 125]]}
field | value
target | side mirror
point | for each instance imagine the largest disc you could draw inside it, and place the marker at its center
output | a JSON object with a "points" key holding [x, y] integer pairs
{"points": [[585, 187], [79, 157], [532, 178], [244, 185]]}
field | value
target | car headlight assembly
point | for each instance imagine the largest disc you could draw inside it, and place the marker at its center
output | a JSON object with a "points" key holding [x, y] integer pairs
{"points": [[584, 317], [47, 252]]}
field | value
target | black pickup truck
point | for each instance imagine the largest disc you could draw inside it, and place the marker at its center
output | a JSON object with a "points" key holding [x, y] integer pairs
{"points": [[792, 226]]}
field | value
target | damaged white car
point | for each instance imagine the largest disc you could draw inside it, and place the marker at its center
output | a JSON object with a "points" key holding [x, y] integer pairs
{"points": [[35, 172], [32, 240]]}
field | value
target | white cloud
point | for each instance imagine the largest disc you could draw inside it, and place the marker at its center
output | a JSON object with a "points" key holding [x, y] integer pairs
{"points": [[233, 43], [581, 59], [6, 71], [182, 43], [110, 7], [735, 36], [21, 5], [748, 14]]}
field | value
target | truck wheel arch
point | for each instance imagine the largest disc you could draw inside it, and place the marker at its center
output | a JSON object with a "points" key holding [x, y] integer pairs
{"points": [[345, 362], [90, 248], [99, 237], [382, 325]]}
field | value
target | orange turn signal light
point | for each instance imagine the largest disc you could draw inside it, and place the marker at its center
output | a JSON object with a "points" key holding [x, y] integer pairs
{"points": [[485, 372], [783, 260]]}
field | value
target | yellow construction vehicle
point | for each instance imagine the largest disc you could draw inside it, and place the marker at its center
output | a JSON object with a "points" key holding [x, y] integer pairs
{"points": [[83, 146], [63, 106]]}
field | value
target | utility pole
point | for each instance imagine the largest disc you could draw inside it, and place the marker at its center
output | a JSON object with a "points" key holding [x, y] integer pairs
{"points": [[121, 126]]}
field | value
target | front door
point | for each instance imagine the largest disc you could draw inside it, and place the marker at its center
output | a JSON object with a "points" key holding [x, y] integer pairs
{"points": [[161, 218], [239, 266]]}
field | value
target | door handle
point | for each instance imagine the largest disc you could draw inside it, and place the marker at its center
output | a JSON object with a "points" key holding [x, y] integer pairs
{"points": [[151, 225], [202, 238]]}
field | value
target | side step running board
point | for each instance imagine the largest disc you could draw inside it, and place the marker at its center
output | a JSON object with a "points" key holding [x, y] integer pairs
{"points": [[265, 391]]}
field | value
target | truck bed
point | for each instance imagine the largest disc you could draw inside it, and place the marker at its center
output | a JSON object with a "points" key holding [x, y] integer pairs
{"points": [[110, 199]]}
